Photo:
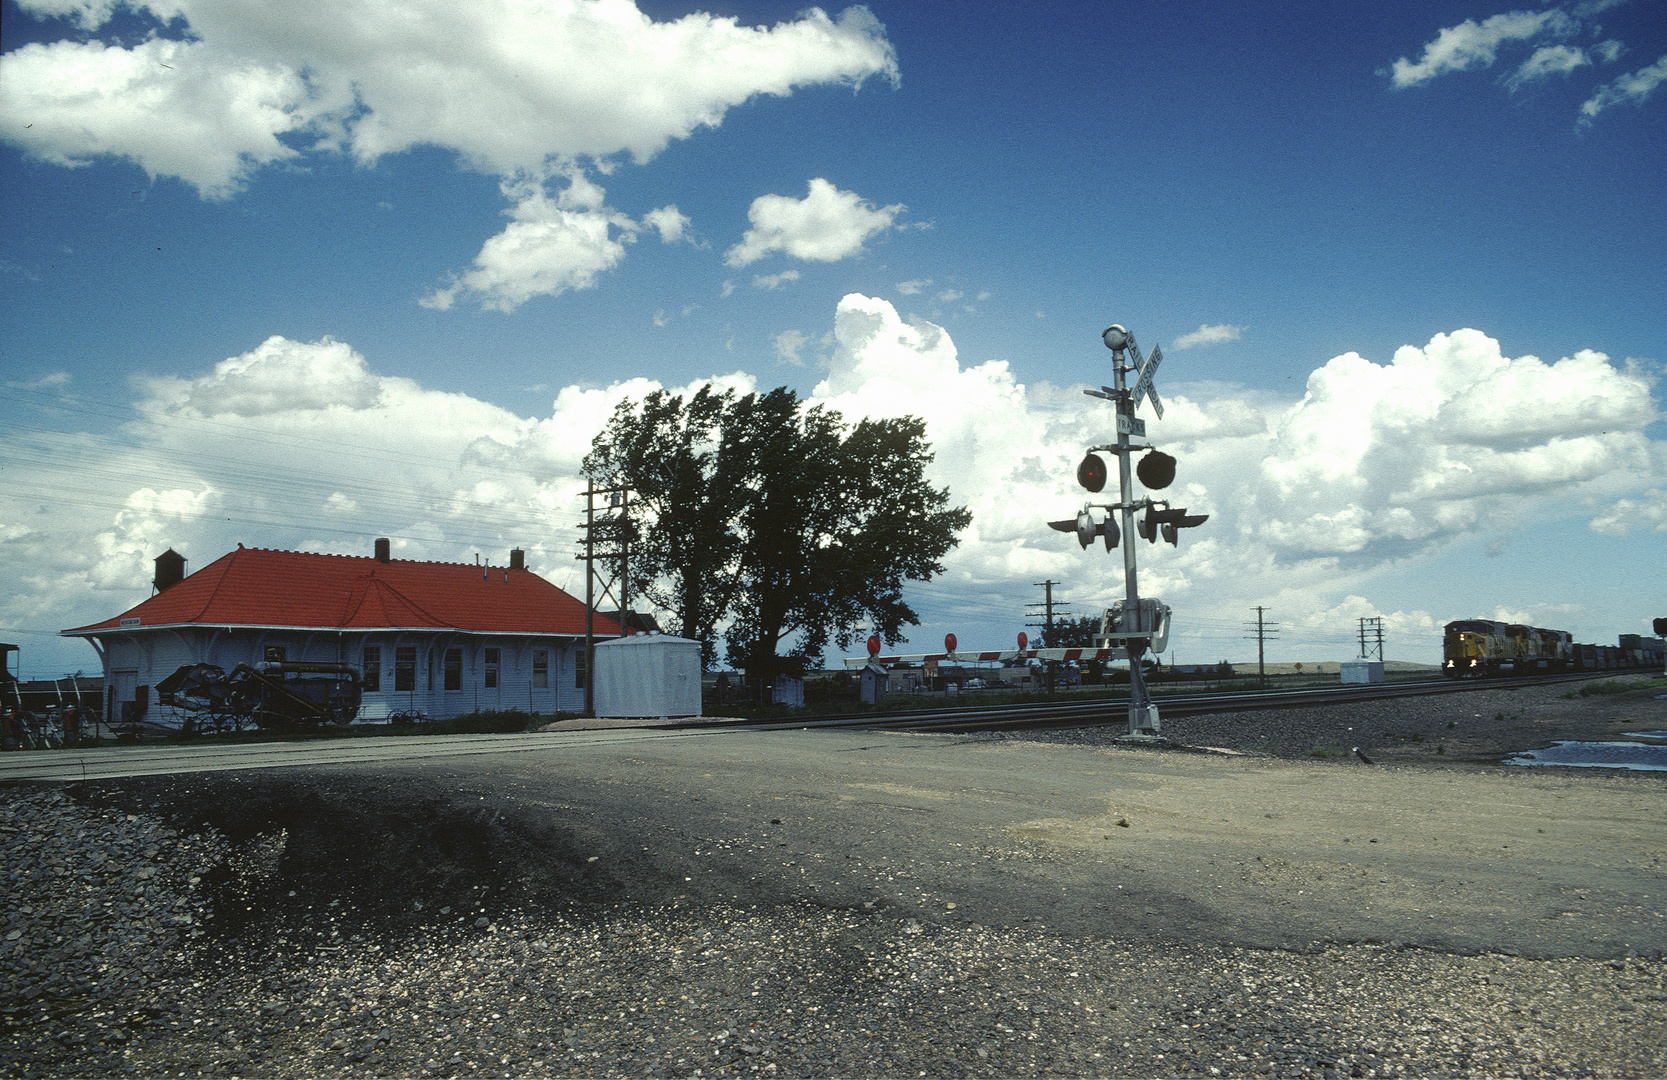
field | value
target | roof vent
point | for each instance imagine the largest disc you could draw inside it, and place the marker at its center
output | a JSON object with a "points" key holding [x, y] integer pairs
{"points": [[517, 559], [170, 569], [383, 553]]}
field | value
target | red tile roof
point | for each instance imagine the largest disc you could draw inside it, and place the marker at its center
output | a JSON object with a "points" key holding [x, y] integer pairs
{"points": [[256, 587]]}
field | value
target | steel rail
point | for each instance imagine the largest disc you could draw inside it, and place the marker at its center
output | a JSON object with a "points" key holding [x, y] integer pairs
{"points": [[1109, 710]]}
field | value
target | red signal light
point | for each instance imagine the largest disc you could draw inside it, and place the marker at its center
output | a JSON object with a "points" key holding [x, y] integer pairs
{"points": [[1091, 474]]}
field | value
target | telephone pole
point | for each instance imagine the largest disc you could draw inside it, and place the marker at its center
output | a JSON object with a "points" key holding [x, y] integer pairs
{"points": [[1046, 625], [1263, 630], [1371, 638], [1048, 611], [606, 541]]}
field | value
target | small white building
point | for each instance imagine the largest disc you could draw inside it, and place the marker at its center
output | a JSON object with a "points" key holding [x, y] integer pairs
{"points": [[1361, 671], [648, 675], [440, 639]]}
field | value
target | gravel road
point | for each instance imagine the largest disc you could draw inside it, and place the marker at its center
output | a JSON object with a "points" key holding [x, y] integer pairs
{"points": [[809, 904]]}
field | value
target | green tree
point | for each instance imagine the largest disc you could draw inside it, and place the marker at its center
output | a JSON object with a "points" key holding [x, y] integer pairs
{"points": [[797, 527], [669, 451]]}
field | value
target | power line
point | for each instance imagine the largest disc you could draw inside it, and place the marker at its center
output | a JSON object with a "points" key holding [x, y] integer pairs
{"points": [[1371, 637], [1049, 610], [1264, 630]]}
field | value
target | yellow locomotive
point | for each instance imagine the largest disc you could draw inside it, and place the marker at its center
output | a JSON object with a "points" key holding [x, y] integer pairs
{"points": [[1483, 647], [1479, 647]]}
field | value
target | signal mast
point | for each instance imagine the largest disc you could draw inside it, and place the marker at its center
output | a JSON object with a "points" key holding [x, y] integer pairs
{"points": [[1133, 624]]}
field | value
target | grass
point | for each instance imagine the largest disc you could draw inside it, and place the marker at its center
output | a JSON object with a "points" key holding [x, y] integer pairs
{"points": [[1325, 752], [1617, 686]]}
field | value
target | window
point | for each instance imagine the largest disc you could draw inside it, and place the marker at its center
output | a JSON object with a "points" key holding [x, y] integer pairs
{"points": [[405, 667], [541, 669], [581, 667], [454, 669], [372, 668], [491, 677]]}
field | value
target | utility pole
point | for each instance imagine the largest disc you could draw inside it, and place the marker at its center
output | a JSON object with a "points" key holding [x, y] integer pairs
{"points": [[1046, 625], [1047, 606], [1371, 637], [607, 541], [1264, 630]]}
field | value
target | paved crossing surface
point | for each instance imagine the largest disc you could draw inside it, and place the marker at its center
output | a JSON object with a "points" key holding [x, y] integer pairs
{"points": [[162, 759]]}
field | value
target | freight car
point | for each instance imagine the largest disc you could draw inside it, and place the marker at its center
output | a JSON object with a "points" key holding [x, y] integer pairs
{"points": [[1481, 647]]}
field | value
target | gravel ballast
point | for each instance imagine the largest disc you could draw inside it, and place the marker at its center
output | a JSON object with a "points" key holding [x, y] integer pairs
{"points": [[141, 940], [1477, 727]]}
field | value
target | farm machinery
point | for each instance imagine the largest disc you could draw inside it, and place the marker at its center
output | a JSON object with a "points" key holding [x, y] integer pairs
{"points": [[31, 720], [277, 695]]}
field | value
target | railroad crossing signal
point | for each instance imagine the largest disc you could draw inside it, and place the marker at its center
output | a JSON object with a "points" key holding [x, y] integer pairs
{"points": [[1143, 387], [1156, 471]]}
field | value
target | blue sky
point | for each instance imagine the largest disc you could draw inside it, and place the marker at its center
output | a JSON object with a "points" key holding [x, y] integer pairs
{"points": [[493, 221]]}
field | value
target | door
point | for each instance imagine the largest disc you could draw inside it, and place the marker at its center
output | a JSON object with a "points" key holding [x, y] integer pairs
{"points": [[122, 686]]}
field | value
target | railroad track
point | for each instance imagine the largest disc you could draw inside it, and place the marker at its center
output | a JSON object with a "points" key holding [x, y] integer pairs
{"points": [[1114, 711]]}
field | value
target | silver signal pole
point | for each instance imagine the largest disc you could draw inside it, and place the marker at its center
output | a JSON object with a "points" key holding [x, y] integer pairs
{"points": [[1143, 721]]}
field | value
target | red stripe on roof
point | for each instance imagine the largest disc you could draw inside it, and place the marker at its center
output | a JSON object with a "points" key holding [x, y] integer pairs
{"points": [[258, 587]]}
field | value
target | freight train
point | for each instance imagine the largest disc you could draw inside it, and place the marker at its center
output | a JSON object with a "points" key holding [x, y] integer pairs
{"points": [[1480, 647]]}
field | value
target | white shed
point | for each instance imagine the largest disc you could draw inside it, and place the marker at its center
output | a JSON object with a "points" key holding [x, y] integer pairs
{"points": [[1361, 671], [647, 675]]}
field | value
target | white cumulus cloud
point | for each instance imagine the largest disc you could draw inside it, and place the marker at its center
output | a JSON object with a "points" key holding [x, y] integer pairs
{"points": [[171, 107], [1382, 460], [1545, 61], [506, 84], [669, 222], [551, 245], [788, 345], [1634, 87], [514, 88], [826, 225], [1648, 513], [1472, 44], [1209, 335]]}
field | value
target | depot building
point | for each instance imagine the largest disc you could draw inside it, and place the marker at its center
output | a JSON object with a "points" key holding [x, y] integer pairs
{"points": [[439, 639]]}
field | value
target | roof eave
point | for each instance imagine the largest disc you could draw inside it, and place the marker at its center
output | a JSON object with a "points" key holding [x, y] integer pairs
{"points": [[94, 631]]}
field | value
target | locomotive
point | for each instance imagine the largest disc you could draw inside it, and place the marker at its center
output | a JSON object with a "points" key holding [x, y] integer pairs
{"points": [[1481, 647]]}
